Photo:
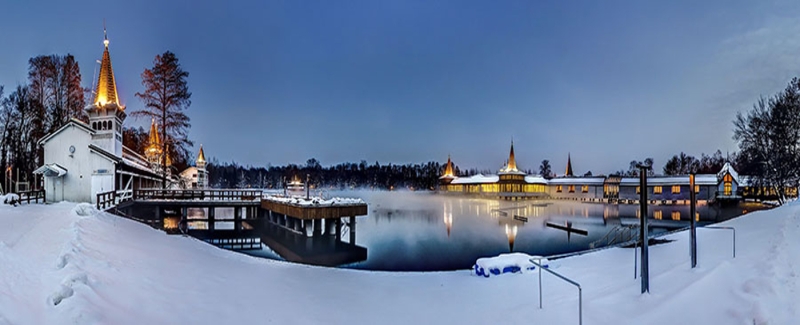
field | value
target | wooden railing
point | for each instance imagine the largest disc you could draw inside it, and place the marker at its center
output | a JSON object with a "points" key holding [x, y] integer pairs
{"points": [[199, 195], [32, 195], [106, 200]]}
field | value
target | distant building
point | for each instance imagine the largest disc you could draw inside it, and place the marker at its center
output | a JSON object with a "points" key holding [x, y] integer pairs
{"points": [[82, 160], [511, 183], [196, 177]]}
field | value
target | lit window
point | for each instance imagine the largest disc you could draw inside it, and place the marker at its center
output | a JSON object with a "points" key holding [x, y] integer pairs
{"points": [[697, 188], [638, 190], [676, 189], [572, 188], [657, 215], [585, 188], [657, 190], [676, 215], [558, 188]]}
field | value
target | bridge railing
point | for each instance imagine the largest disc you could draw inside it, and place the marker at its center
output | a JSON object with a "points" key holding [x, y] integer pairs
{"points": [[198, 195]]}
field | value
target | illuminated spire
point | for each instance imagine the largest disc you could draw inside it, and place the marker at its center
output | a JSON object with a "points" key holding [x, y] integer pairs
{"points": [[201, 158], [154, 140], [106, 92], [512, 163], [153, 149], [569, 166], [448, 170]]}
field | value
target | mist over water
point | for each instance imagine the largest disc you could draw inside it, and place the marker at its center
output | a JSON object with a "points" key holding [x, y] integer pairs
{"points": [[423, 231]]}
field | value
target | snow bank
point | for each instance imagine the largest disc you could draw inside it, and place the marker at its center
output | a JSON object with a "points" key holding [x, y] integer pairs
{"points": [[67, 264], [507, 263], [315, 201], [10, 198]]}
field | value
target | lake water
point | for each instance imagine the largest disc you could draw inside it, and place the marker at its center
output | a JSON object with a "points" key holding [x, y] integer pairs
{"points": [[416, 231]]}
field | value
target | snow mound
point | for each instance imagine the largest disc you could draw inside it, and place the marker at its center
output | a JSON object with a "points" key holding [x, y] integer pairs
{"points": [[84, 209], [507, 263], [10, 198]]}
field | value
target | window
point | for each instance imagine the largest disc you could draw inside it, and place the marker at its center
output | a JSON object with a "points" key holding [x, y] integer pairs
{"points": [[697, 188], [638, 190], [657, 215], [585, 188], [657, 190], [676, 189], [676, 215], [728, 184], [572, 188], [558, 188]]}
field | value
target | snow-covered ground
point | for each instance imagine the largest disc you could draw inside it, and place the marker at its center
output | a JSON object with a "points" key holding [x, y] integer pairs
{"points": [[68, 264]]}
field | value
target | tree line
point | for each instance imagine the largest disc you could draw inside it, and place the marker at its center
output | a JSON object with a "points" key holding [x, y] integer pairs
{"points": [[424, 176]]}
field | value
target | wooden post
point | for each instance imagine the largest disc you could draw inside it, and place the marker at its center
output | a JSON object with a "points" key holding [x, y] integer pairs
{"points": [[353, 230], [211, 222], [338, 229], [317, 227], [237, 218]]}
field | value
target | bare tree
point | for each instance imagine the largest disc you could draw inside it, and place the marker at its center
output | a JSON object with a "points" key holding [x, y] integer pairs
{"points": [[166, 96]]}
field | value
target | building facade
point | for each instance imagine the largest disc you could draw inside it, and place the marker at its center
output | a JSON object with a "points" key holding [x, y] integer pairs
{"points": [[511, 183]]}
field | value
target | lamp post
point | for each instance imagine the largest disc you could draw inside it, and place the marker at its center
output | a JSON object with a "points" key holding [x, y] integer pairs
{"points": [[308, 189], [692, 213], [643, 236]]}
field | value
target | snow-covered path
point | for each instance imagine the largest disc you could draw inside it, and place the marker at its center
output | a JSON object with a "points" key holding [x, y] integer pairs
{"points": [[68, 264]]}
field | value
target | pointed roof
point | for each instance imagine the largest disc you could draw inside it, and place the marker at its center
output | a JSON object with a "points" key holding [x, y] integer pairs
{"points": [[201, 157], [569, 166], [153, 140], [512, 163], [106, 91]]}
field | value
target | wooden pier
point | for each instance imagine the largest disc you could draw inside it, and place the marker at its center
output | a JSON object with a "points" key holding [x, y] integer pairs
{"points": [[297, 229]]}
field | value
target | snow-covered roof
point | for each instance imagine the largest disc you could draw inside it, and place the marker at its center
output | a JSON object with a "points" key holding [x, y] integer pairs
{"points": [[578, 180], [51, 170], [71, 123], [699, 179], [476, 179], [728, 169], [315, 201], [535, 179]]}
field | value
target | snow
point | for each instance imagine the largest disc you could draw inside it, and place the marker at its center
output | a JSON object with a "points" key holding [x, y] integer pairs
{"points": [[315, 201], [65, 264], [476, 179], [507, 263]]}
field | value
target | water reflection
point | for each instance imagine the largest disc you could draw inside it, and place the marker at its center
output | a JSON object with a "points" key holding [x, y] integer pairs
{"points": [[407, 231]]}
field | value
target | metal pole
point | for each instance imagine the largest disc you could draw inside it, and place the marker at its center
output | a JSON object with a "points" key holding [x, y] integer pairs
{"points": [[643, 227], [635, 259], [692, 214], [540, 284]]}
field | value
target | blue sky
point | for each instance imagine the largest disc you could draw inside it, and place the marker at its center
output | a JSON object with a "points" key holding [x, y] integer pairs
{"points": [[411, 81]]}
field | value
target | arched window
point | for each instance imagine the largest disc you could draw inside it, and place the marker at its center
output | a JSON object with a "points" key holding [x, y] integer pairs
{"points": [[94, 125]]}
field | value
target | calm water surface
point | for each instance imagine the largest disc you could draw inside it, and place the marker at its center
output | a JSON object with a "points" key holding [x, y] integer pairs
{"points": [[414, 231]]}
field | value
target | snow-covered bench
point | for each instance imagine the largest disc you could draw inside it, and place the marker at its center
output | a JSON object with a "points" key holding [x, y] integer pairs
{"points": [[507, 263]]}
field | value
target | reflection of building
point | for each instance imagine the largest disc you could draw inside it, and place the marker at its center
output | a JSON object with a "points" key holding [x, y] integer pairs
{"points": [[511, 183], [448, 218], [82, 160]]}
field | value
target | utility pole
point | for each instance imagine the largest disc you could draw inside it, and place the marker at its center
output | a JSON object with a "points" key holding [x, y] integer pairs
{"points": [[643, 236]]}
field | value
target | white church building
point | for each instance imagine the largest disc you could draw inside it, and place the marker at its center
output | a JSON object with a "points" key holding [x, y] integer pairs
{"points": [[82, 160]]}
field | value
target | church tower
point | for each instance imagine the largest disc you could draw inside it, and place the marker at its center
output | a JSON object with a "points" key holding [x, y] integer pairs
{"points": [[106, 114], [153, 149], [200, 163]]}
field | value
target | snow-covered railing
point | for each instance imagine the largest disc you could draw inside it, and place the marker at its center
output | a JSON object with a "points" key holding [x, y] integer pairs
{"points": [[200, 195], [315, 201], [537, 262]]}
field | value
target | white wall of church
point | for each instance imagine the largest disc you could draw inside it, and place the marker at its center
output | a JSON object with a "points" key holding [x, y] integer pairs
{"points": [[74, 186]]}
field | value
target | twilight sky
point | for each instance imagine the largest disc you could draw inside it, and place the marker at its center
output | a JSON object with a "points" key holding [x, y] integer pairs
{"points": [[411, 81]]}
